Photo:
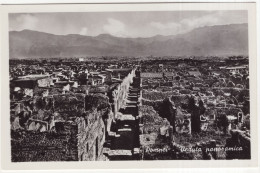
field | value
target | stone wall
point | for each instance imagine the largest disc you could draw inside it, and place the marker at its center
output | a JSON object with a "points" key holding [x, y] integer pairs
{"points": [[88, 117], [91, 137], [31, 146], [120, 93], [45, 82], [154, 135]]}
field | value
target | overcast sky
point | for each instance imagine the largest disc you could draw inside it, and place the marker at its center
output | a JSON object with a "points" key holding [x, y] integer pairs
{"points": [[123, 24]]}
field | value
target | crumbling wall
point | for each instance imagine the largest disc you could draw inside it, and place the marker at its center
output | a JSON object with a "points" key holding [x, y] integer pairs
{"points": [[167, 108], [91, 137], [120, 92], [74, 104], [90, 116], [45, 82], [30, 146], [154, 135], [96, 101], [168, 111]]}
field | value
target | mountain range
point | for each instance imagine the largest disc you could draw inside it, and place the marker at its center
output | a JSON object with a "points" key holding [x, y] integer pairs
{"points": [[220, 40]]}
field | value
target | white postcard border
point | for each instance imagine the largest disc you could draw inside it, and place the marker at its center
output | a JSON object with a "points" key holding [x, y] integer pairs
{"points": [[5, 124]]}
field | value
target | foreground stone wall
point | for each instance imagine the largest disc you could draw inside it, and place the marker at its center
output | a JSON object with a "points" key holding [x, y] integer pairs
{"points": [[91, 137], [30, 146], [154, 135], [76, 126]]}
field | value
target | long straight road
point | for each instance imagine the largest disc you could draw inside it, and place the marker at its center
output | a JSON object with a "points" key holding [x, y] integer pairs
{"points": [[125, 145]]}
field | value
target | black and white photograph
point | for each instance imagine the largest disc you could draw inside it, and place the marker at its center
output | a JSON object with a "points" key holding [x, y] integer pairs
{"points": [[129, 86]]}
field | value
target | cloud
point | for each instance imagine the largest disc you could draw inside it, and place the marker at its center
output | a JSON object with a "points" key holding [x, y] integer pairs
{"points": [[208, 20], [83, 31], [166, 28], [26, 21], [188, 24], [115, 27]]}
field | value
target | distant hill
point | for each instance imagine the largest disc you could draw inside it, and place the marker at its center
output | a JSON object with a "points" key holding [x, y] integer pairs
{"points": [[218, 40]]}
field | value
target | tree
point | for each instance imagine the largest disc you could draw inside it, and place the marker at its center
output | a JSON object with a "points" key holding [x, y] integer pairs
{"points": [[83, 78], [195, 115]]}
